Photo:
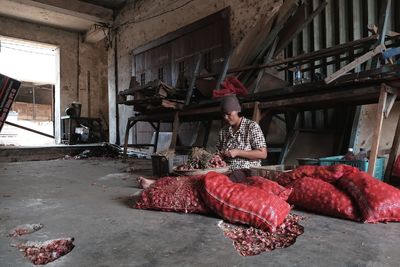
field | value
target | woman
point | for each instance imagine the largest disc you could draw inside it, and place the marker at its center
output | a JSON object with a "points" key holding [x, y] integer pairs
{"points": [[241, 142]]}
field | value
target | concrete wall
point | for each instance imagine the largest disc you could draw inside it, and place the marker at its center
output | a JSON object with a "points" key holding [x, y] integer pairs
{"points": [[142, 21], [73, 80]]}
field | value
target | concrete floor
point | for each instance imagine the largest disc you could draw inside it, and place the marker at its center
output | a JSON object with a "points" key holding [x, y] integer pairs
{"points": [[82, 199]]}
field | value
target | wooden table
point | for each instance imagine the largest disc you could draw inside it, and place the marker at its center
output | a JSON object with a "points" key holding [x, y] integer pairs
{"points": [[347, 90]]}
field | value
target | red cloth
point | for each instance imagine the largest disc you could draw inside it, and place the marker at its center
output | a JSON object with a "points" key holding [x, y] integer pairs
{"points": [[230, 86]]}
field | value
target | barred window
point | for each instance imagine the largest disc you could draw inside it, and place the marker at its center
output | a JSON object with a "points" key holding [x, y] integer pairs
{"points": [[143, 79]]}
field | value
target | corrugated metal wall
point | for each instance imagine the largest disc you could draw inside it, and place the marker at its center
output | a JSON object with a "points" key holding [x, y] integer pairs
{"points": [[341, 21]]}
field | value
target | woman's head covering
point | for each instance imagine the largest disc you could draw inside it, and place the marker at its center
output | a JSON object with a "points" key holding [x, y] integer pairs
{"points": [[230, 103]]}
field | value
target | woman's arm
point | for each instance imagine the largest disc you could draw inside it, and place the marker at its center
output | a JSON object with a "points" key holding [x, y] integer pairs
{"points": [[259, 153]]}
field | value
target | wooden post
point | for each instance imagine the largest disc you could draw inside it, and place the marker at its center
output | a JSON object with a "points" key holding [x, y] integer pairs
{"points": [[175, 129], [157, 135], [384, 16], [393, 152], [377, 131], [224, 71], [193, 80], [256, 112], [207, 129], [129, 125]]}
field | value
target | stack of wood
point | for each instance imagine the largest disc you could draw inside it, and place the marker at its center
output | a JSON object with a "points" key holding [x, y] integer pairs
{"points": [[154, 95]]}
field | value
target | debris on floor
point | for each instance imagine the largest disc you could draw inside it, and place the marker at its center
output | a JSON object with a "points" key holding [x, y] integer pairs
{"points": [[40, 253], [25, 229], [250, 241], [106, 150]]}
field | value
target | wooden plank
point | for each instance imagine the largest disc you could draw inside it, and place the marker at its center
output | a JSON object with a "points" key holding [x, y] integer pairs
{"points": [[377, 132], [266, 60], [207, 128], [296, 24], [292, 133], [287, 10], [129, 125], [308, 56], [354, 63], [78, 9], [256, 112], [157, 136], [246, 49], [28, 129], [222, 74], [268, 82], [175, 130], [384, 16], [193, 80], [221, 15], [324, 97]]}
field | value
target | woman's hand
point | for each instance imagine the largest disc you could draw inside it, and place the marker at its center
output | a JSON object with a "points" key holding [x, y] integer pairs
{"points": [[233, 153]]}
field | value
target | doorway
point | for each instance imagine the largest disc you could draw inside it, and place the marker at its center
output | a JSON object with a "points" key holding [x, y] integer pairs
{"points": [[36, 66]]}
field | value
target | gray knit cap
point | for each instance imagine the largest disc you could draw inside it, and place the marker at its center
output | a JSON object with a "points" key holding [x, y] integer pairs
{"points": [[230, 103]]}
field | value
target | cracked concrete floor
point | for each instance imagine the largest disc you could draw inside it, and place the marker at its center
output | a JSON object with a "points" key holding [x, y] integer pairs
{"points": [[89, 200]]}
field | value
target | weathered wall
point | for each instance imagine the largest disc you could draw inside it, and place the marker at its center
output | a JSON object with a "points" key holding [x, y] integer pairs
{"points": [[73, 79], [142, 21]]}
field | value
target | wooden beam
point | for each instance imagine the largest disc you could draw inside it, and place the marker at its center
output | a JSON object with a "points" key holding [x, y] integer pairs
{"points": [[157, 136], [74, 8], [382, 26], [129, 125], [245, 51], [327, 97], [224, 71], [29, 129], [296, 24], [220, 16], [193, 80], [285, 12], [358, 61], [95, 34], [256, 112], [308, 56], [377, 132], [267, 59], [175, 130]]}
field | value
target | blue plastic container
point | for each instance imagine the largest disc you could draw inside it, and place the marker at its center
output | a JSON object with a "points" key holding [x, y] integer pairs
{"points": [[360, 164]]}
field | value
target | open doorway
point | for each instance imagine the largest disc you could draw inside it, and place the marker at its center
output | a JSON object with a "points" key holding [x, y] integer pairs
{"points": [[35, 65]]}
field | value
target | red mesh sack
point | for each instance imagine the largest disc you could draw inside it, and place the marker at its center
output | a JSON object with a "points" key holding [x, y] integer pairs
{"points": [[269, 186], [240, 203], [396, 167], [328, 174], [377, 201], [323, 198], [179, 194]]}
